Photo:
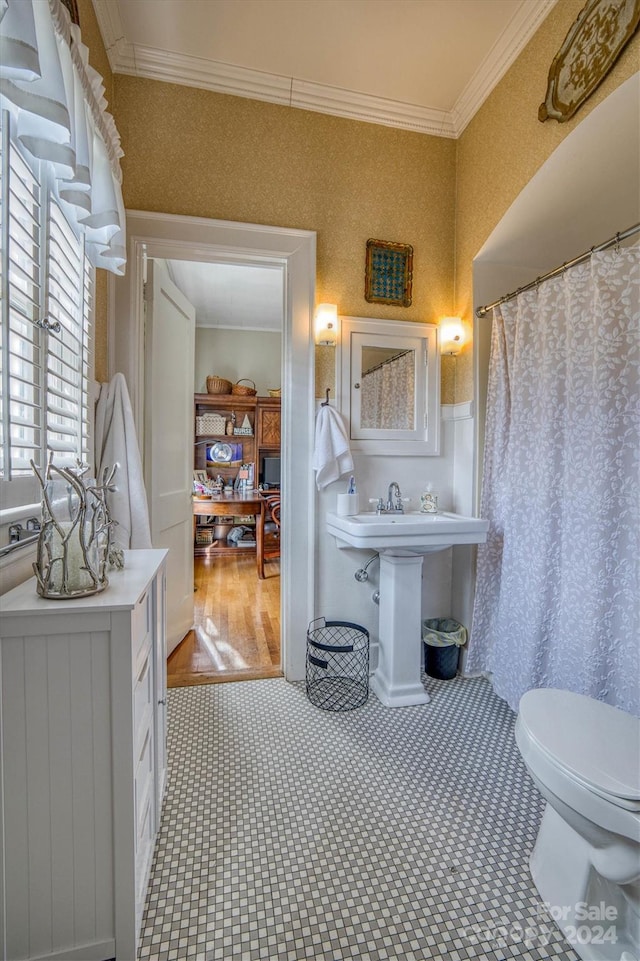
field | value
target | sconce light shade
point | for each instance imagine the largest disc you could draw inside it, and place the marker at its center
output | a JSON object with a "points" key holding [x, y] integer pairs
{"points": [[327, 324], [452, 335]]}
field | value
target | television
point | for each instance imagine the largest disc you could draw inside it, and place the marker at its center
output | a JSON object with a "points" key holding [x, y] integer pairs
{"points": [[269, 475]]}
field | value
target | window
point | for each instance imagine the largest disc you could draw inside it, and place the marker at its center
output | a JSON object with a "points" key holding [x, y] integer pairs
{"points": [[46, 286]]}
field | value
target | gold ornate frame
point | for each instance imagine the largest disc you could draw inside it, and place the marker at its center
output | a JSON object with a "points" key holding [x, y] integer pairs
{"points": [[388, 275], [590, 49]]}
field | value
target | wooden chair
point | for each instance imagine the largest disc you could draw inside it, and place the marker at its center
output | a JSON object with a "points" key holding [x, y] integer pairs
{"points": [[268, 531]]}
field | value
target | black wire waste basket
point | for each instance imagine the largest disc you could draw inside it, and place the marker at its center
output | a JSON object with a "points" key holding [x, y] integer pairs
{"points": [[337, 665]]}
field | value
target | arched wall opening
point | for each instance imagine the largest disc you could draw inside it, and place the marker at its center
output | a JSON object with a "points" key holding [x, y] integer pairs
{"points": [[585, 193]]}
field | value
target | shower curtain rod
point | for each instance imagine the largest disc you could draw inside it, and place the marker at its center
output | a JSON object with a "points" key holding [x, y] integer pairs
{"points": [[481, 311], [385, 362]]}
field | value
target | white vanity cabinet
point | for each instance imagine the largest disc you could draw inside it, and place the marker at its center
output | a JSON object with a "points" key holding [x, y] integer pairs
{"points": [[83, 686]]}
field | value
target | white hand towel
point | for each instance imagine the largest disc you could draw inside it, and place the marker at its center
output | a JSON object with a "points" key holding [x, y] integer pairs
{"points": [[332, 455], [116, 443]]}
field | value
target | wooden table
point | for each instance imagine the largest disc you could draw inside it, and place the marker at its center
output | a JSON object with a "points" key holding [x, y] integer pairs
{"points": [[232, 505]]}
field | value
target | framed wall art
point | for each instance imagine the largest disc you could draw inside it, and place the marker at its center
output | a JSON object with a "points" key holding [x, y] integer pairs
{"points": [[590, 49], [388, 273]]}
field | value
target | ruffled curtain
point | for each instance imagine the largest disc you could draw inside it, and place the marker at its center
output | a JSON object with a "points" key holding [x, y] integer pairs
{"points": [[557, 588], [56, 101]]}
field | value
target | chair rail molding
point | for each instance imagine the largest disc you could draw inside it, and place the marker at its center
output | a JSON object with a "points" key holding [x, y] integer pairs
{"points": [[461, 411]]}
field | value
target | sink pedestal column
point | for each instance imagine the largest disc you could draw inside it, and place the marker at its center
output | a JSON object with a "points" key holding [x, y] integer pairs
{"points": [[397, 681]]}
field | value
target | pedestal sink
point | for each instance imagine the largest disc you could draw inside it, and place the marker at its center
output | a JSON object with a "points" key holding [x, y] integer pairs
{"points": [[402, 540]]}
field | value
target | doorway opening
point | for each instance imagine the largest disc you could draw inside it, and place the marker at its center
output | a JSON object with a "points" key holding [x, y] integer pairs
{"points": [[168, 237], [238, 361]]}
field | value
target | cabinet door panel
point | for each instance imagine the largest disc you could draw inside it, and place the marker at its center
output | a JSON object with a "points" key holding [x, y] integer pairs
{"points": [[270, 428], [143, 698], [141, 626], [143, 778]]}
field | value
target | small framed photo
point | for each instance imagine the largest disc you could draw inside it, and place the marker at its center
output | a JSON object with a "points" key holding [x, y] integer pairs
{"points": [[201, 476], [388, 273]]}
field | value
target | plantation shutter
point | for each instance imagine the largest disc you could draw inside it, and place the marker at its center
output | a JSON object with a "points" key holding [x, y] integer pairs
{"points": [[22, 415], [45, 343], [67, 368], [61, 215]]}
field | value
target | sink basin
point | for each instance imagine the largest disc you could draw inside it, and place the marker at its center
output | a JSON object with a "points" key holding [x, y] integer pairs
{"points": [[412, 533], [402, 540]]}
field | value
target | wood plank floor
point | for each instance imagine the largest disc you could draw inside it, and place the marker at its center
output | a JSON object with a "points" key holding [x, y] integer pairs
{"points": [[236, 633]]}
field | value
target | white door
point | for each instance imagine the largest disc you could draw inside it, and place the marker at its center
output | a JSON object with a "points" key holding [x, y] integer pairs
{"points": [[168, 439]]}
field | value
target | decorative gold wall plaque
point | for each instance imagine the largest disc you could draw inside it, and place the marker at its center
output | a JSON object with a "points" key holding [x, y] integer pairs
{"points": [[590, 49], [388, 275]]}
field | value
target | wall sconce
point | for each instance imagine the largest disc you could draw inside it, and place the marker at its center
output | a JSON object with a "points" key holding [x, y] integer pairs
{"points": [[327, 324], [452, 335]]}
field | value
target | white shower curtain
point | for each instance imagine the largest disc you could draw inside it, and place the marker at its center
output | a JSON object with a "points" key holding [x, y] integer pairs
{"points": [[387, 394], [557, 593]]}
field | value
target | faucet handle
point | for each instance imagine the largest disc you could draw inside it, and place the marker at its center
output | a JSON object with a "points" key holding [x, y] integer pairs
{"points": [[378, 501]]}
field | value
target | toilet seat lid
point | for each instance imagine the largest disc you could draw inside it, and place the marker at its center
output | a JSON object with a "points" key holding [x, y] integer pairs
{"points": [[597, 743]]}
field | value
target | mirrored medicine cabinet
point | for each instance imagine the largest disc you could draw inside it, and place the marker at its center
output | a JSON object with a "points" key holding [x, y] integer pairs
{"points": [[390, 386]]}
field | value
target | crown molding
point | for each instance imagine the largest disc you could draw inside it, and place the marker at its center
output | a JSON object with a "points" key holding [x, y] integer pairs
{"points": [[361, 106], [503, 53], [152, 63], [110, 23]]}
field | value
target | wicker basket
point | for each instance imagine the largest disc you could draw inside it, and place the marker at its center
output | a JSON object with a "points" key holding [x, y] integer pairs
{"points": [[204, 535], [210, 424], [241, 391], [218, 385]]}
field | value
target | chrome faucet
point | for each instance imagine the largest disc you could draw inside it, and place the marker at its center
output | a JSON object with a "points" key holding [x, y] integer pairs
{"points": [[394, 499], [394, 503]]}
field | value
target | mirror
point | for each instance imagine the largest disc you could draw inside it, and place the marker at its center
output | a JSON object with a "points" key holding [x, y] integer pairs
{"points": [[387, 386], [390, 386]]}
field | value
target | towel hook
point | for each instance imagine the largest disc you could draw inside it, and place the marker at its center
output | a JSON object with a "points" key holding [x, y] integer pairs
{"points": [[325, 402]]}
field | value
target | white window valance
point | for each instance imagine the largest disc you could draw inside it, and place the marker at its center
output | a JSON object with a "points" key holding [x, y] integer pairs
{"points": [[57, 103]]}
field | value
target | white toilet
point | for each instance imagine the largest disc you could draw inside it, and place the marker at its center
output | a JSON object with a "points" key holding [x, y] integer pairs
{"points": [[584, 757]]}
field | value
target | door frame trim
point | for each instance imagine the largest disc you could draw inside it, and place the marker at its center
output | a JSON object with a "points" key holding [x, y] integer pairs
{"points": [[172, 237]]}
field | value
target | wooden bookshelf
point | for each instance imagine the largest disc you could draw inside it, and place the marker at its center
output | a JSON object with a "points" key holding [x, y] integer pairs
{"points": [[263, 414]]}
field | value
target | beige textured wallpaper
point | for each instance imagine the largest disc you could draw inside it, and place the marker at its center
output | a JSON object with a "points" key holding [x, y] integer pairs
{"points": [[325, 372], [92, 38], [503, 147], [194, 152]]}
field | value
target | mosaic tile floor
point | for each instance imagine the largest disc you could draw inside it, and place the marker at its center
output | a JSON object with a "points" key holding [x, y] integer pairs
{"points": [[289, 832]]}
